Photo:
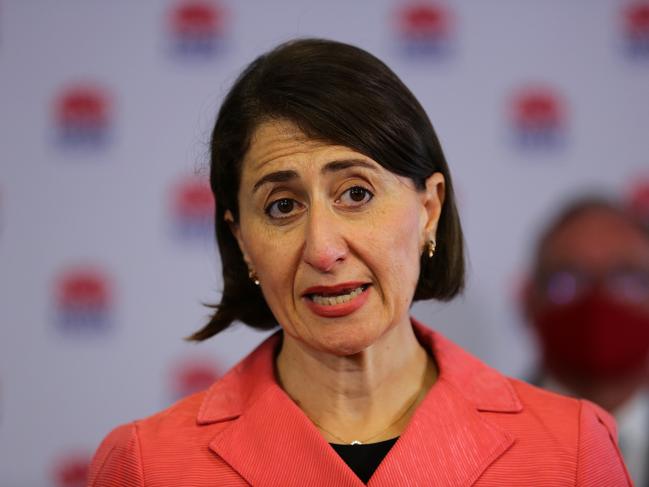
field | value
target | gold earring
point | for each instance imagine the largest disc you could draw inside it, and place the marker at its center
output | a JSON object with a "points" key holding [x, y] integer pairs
{"points": [[252, 275], [431, 245]]}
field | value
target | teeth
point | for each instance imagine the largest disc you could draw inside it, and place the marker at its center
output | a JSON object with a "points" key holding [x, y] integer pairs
{"points": [[340, 299]]}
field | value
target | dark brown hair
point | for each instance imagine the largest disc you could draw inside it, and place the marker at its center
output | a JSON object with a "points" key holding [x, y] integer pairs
{"points": [[339, 94]]}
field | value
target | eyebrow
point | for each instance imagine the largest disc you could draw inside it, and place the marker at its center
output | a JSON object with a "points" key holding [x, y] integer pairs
{"points": [[333, 166]]}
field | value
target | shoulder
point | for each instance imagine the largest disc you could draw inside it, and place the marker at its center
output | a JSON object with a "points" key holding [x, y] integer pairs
{"points": [[179, 416], [572, 428], [127, 451], [553, 436], [549, 408], [599, 454], [117, 459], [174, 443], [567, 418], [577, 416]]}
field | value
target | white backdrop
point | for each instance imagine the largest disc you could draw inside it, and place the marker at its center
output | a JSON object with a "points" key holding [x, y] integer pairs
{"points": [[105, 246]]}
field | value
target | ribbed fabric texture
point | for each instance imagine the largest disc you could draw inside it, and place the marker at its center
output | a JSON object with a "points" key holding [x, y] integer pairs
{"points": [[474, 427]]}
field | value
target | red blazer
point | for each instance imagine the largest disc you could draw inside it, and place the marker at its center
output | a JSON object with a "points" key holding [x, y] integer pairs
{"points": [[474, 427]]}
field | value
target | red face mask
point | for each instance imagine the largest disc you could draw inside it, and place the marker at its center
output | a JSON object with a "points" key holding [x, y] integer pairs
{"points": [[595, 337]]}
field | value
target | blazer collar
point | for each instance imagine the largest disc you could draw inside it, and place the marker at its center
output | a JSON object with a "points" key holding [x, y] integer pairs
{"points": [[267, 438], [241, 385], [485, 387], [269, 441]]}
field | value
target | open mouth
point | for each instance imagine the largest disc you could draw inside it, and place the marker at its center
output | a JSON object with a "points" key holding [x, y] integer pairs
{"points": [[338, 297]]}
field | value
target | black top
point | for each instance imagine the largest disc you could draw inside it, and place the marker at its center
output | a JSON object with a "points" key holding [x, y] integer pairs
{"points": [[364, 459]]}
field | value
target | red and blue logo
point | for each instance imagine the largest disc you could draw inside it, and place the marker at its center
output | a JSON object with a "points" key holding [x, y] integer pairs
{"points": [[538, 118], [197, 29], [635, 25], [192, 375], [83, 298], [71, 470], [423, 30], [192, 209], [82, 116]]}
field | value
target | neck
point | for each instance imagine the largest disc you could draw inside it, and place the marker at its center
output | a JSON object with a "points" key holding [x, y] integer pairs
{"points": [[366, 396]]}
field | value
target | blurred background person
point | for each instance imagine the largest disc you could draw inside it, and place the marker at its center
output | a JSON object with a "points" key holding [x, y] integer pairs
{"points": [[588, 304]]}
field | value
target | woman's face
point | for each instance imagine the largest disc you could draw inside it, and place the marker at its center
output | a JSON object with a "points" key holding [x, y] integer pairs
{"points": [[334, 238]]}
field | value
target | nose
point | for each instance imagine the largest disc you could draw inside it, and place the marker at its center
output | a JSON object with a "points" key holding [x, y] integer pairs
{"points": [[324, 245]]}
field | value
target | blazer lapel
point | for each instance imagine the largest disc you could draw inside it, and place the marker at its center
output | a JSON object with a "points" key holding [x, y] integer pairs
{"points": [[268, 440], [449, 441], [273, 443], [264, 436], [446, 443]]}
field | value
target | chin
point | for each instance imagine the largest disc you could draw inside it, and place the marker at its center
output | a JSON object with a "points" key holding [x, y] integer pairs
{"points": [[345, 343]]}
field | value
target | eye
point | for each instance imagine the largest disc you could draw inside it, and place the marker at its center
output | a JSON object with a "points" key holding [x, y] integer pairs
{"points": [[356, 196], [282, 208]]}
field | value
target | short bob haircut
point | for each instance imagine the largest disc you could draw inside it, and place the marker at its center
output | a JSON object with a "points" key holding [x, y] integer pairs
{"points": [[339, 94]]}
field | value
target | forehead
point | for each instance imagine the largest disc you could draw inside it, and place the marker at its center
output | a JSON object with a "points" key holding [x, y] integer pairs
{"points": [[274, 139], [277, 143], [597, 239]]}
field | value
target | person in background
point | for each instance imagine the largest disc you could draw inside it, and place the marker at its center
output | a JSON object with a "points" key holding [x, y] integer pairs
{"points": [[588, 304]]}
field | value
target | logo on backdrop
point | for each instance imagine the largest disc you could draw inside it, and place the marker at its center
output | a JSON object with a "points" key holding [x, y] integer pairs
{"points": [[192, 375], [82, 116], [197, 29], [71, 470], [423, 30], [192, 209], [83, 300], [635, 24], [537, 118]]}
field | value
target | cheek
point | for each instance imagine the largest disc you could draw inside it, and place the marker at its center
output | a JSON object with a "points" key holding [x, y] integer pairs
{"points": [[395, 247], [275, 274], [271, 258], [274, 260]]}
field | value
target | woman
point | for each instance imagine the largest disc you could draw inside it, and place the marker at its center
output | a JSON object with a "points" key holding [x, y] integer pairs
{"points": [[335, 210]]}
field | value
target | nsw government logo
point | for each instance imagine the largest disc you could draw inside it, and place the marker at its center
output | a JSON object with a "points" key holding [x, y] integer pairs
{"points": [[423, 30], [83, 300], [635, 25], [71, 470], [82, 116], [192, 375], [196, 29], [192, 209], [537, 118]]}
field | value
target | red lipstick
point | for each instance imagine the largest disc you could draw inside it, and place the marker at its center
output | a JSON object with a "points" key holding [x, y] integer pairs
{"points": [[336, 289], [337, 309]]}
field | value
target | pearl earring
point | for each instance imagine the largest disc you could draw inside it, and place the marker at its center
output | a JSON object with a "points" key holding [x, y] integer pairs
{"points": [[252, 275]]}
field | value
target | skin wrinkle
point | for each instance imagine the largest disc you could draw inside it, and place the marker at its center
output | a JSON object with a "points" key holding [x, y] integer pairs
{"points": [[346, 396], [352, 373], [289, 176]]}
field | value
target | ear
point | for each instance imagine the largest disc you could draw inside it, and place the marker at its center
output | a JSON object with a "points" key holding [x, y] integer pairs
{"points": [[236, 231], [432, 200]]}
